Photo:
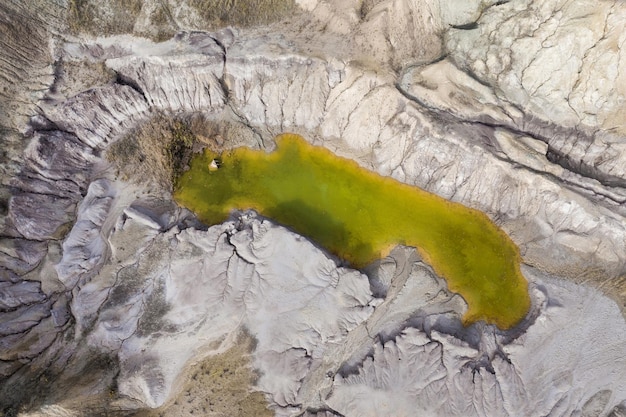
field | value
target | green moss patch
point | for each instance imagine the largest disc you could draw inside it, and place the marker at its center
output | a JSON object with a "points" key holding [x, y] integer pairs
{"points": [[360, 216]]}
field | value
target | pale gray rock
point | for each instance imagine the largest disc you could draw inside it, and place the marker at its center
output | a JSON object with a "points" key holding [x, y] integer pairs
{"points": [[172, 285], [175, 293], [20, 255], [59, 156], [206, 285], [462, 13], [409, 279], [523, 119], [324, 413], [20, 293], [364, 114], [268, 92], [40, 216], [448, 90], [26, 67], [567, 81], [180, 83], [267, 83], [118, 109], [411, 373], [84, 246], [22, 319], [443, 87], [55, 164], [388, 33]]}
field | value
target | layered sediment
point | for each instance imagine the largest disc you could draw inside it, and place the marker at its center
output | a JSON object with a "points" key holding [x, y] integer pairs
{"points": [[109, 292]]}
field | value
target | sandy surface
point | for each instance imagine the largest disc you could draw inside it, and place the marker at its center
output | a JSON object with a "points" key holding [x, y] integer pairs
{"points": [[218, 386]]}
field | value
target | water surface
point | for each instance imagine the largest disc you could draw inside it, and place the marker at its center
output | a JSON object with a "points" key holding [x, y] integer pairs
{"points": [[360, 216]]}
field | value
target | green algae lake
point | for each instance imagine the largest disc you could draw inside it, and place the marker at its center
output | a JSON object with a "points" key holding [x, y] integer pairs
{"points": [[360, 216]]}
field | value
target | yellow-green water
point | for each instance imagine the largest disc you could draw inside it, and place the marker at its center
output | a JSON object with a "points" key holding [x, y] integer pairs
{"points": [[360, 216]]}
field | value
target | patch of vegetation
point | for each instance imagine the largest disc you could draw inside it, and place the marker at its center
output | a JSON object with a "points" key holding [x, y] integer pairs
{"points": [[156, 153], [162, 25], [178, 149], [220, 13], [159, 151], [156, 307], [360, 216], [73, 77], [219, 386], [109, 17]]}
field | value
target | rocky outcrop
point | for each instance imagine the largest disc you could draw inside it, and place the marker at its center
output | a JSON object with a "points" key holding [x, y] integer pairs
{"points": [[171, 292], [26, 67], [294, 306], [567, 82], [358, 112], [386, 382], [107, 295], [162, 80]]}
